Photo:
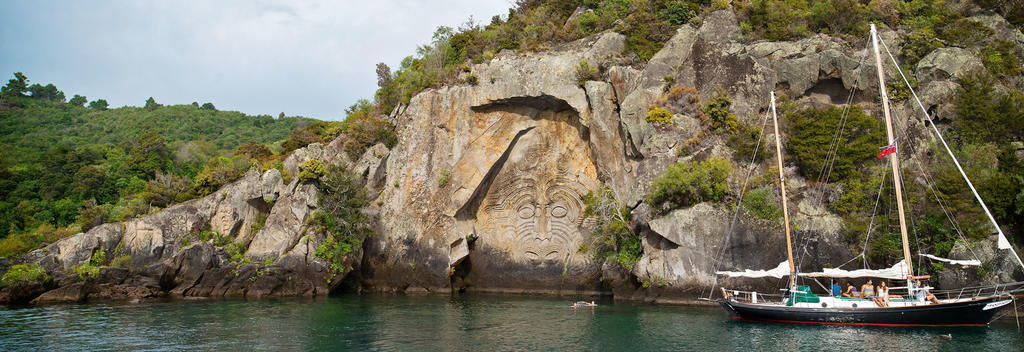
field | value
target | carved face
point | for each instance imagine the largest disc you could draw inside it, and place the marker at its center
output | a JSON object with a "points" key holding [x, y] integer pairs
{"points": [[546, 220], [534, 209]]}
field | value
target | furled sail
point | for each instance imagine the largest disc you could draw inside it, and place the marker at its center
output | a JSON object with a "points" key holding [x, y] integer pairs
{"points": [[971, 262], [778, 272], [897, 272]]}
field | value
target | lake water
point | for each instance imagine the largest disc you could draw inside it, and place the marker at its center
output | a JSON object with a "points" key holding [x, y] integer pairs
{"points": [[472, 322]]}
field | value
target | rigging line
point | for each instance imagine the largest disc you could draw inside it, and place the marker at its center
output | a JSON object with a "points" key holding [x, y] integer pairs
{"points": [[832, 154], [928, 182], [739, 202], [871, 223], [955, 162]]}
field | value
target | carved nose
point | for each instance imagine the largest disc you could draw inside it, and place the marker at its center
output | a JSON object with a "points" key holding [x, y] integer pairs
{"points": [[543, 231]]}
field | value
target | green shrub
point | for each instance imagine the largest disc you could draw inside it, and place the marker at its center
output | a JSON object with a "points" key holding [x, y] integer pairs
{"points": [[721, 119], [86, 270], [184, 241], [443, 179], [220, 239], [762, 204], [218, 172], [979, 107], [236, 253], [745, 140], [612, 241], [205, 235], [688, 183], [999, 58], [311, 171], [659, 116], [584, 73], [21, 274], [123, 262], [339, 217], [810, 139], [363, 128]]}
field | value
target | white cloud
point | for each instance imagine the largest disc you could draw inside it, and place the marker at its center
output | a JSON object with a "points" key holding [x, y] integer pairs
{"points": [[260, 57]]}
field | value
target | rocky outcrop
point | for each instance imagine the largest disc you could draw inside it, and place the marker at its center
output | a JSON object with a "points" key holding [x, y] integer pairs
{"points": [[485, 189]]}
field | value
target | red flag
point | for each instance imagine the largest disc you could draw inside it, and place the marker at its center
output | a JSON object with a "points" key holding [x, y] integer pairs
{"points": [[886, 150]]}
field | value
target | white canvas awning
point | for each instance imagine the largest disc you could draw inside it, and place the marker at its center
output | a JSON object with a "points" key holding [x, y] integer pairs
{"points": [[898, 272], [971, 262], [778, 272]]}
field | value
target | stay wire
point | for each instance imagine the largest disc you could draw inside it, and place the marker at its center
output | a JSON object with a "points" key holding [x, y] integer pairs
{"points": [[750, 169]]}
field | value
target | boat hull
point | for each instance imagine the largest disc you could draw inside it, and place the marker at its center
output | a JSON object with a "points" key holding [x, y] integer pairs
{"points": [[977, 312]]}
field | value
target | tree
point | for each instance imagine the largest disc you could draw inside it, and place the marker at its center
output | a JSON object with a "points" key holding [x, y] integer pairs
{"points": [[151, 104], [77, 100], [47, 92], [16, 87], [383, 75], [253, 150], [148, 153], [208, 106], [98, 104]]}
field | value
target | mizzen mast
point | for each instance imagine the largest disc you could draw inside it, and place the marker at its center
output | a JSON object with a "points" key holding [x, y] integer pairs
{"points": [[894, 159], [782, 188]]}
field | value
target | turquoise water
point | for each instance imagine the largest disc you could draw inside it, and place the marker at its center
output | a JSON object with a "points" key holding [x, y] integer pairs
{"points": [[442, 323]]}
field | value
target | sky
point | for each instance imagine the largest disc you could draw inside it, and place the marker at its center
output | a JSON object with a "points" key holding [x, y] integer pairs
{"points": [[303, 58]]}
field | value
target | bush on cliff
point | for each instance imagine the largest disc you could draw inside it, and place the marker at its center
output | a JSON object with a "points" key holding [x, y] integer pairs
{"points": [[688, 183], [21, 274], [612, 240], [762, 204], [310, 171], [812, 136], [339, 218]]}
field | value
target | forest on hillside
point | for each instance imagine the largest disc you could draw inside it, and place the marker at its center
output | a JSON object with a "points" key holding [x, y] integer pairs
{"points": [[69, 165]]}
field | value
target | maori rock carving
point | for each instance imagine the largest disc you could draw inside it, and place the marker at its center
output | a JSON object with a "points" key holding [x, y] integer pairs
{"points": [[534, 209]]}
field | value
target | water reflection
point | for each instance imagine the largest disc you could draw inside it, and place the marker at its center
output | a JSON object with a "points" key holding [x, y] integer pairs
{"points": [[467, 322]]}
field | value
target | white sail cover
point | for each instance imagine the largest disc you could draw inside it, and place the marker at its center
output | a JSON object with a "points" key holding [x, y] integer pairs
{"points": [[898, 272], [971, 262], [778, 272]]}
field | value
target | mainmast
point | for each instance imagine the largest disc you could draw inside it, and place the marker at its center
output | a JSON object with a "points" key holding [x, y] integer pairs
{"points": [[894, 159], [782, 188]]}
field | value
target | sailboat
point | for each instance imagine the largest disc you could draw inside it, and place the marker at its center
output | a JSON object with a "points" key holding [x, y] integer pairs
{"points": [[974, 307]]}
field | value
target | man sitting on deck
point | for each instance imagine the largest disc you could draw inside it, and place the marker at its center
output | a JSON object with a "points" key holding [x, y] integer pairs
{"points": [[836, 289], [868, 290], [851, 291]]}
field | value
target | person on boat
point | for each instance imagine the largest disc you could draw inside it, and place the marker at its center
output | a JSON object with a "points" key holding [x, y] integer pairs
{"points": [[883, 295], [836, 289], [868, 290], [921, 293], [851, 291]]}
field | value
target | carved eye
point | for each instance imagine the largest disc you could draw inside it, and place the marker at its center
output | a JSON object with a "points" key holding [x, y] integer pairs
{"points": [[526, 212], [559, 211]]}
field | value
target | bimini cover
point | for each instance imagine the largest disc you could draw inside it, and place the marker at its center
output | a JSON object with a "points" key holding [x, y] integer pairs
{"points": [[971, 262], [778, 272], [898, 271]]}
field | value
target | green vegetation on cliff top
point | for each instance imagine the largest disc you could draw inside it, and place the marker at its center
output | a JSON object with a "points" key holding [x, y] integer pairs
{"points": [[66, 167]]}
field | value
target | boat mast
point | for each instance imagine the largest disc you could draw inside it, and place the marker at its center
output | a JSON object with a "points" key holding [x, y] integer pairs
{"points": [[894, 159], [782, 188]]}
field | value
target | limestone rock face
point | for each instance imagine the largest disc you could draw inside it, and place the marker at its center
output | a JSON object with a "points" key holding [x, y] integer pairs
{"points": [[485, 189], [258, 212], [944, 63]]}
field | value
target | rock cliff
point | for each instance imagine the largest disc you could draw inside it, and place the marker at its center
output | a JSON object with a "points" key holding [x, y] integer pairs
{"points": [[484, 191]]}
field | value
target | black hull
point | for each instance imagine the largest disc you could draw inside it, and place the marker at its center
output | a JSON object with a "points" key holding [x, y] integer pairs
{"points": [[967, 313]]}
